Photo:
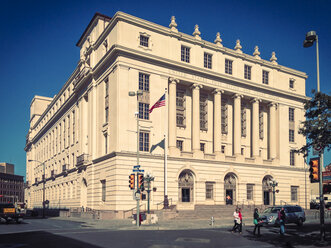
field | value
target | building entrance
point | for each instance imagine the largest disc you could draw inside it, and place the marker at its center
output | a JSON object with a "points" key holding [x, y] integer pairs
{"points": [[185, 195], [185, 186], [230, 185], [229, 196], [266, 198], [266, 190]]}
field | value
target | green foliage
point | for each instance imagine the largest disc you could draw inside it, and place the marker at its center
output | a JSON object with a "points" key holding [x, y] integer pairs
{"points": [[316, 128]]}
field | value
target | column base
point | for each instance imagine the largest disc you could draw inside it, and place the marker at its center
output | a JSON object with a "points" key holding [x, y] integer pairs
{"points": [[174, 152], [198, 154]]}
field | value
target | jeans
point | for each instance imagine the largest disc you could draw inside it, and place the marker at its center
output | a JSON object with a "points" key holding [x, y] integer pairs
{"points": [[282, 227], [257, 226]]}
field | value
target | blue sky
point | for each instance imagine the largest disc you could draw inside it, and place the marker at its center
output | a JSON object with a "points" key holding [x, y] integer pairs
{"points": [[38, 51]]}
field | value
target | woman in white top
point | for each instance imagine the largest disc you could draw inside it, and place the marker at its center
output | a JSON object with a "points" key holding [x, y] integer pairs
{"points": [[236, 220]]}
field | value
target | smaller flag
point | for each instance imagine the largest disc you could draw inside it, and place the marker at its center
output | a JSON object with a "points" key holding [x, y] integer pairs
{"points": [[158, 104]]}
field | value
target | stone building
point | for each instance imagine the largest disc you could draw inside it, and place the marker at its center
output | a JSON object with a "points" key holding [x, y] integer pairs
{"points": [[11, 186], [231, 121]]}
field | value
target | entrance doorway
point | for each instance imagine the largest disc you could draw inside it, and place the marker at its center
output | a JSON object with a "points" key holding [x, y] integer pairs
{"points": [[266, 189], [186, 186], [185, 195], [229, 196], [230, 185], [266, 198]]}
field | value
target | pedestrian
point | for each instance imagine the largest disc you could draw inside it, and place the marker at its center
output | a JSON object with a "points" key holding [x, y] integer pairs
{"points": [[241, 221], [228, 200], [257, 223], [236, 220], [282, 219]]}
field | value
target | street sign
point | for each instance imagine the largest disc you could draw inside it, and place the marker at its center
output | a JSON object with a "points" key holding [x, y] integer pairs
{"points": [[137, 170], [136, 166], [326, 176]]}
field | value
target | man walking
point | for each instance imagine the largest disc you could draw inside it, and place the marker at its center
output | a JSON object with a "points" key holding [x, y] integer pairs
{"points": [[281, 218]]}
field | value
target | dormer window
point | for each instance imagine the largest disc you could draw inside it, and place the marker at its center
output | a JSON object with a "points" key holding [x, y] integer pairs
{"points": [[291, 83]]}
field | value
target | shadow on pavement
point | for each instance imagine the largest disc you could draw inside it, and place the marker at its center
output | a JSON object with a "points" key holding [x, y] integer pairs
{"points": [[308, 235], [40, 239]]}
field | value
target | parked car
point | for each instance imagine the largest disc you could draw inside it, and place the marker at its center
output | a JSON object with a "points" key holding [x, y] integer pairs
{"points": [[8, 212], [294, 214]]}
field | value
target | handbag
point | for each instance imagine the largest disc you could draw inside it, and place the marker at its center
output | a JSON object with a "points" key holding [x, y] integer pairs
{"points": [[255, 222]]}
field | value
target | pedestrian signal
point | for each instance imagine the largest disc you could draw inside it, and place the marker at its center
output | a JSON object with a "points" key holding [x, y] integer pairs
{"points": [[141, 182], [131, 181], [314, 170]]}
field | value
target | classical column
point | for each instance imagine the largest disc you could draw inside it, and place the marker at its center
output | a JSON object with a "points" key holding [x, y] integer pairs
{"points": [[172, 135], [237, 124], [196, 117], [272, 130], [217, 121], [255, 128]]}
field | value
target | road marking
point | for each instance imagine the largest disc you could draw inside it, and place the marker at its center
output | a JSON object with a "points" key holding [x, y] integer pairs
{"points": [[194, 240]]}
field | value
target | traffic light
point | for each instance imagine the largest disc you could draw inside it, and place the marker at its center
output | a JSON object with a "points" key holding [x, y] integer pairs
{"points": [[141, 182], [131, 181], [314, 170]]}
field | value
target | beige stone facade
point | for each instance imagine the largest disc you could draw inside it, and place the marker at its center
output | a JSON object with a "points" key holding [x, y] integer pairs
{"points": [[232, 122]]}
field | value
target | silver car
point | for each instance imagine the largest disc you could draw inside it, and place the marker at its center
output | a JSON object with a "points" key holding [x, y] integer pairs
{"points": [[294, 214]]}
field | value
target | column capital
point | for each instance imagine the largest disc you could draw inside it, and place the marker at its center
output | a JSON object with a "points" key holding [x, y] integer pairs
{"points": [[173, 80], [272, 104], [255, 100], [194, 86], [218, 91], [236, 95]]}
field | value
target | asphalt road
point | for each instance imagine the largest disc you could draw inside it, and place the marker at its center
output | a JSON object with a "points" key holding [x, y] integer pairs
{"points": [[48, 233]]}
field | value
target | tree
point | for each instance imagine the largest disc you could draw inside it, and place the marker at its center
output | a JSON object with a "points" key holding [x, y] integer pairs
{"points": [[316, 128]]}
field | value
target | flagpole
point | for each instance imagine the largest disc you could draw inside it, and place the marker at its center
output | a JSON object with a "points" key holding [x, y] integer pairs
{"points": [[166, 201]]}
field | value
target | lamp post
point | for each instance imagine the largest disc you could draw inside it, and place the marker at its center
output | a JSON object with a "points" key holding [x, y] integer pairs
{"points": [[31, 160], [137, 93], [273, 184], [312, 37], [148, 178]]}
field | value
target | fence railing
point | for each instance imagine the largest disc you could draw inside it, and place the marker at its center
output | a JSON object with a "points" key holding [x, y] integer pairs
{"points": [[162, 203]]}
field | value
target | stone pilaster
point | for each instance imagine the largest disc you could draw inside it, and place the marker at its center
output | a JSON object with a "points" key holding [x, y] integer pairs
{"points": [[196, 119], [172, 127], [272, 130], [217, 121], [255, 128], [236, 124]]}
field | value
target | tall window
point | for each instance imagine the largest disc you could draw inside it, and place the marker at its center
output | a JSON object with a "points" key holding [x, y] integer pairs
{"points": [[143, 111], [64, 134], [73, 126], [243, 121], [60, 137], [202, 147], [203, 112], [144, 40], [294, 193], [291, 135], [106, 142], [144, 141], [248, 72], [143, 82], [180, 108], [224, 117], [209, 190], [106, 101], [228, 66], [291, 84], [68, 130], [291, 114], [292, 159], [103, 190], [185, 54], [261, 133], [265, 77], [250, 190], [207, 60], [179, 145]]}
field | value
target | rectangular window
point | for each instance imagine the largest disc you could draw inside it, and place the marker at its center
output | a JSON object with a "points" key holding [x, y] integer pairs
{"points": [[103, 190], [228, 66], [73, 126], [242, 151], [265, 77], [294, 193], [106, 88], [250, 190], [143, 82], [106, 114], [292, 158], [144, 40], [106, 101], [179, 145], [291, 114], [248, 72], [144, 141], [209, 191], [207, 60], [261, 133], [180, 108], [185, 54], [203, 112], [291, 83], [64, 167], [202, 147], [222, 149], [106, 143], [243, 121], [291, 135], [143, 111], [224, 117]]}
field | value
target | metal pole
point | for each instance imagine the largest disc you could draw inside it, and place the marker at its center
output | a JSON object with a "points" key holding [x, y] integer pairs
{"points": [[166, 201], [44, 191], [274, 195], [138, 219], [148, 191]]}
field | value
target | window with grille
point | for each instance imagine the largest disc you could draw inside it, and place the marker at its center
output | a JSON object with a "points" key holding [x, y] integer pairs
{"points": [[180, 108], [185, 54], [223, 149], [291, 83], [143, 82], [228, 66], [291, 114], [203, 113], [248, 72], [265, 77], [224, 117], [261, 132], [243, 121], [291, 135], [202, 147], [143, 111], [294, 193], [207, 60], [250, 190], [106, 101], [144, 40], [144, 141], [209, 190], [292, 161], [103, 190], [179, 145], [73, 126]]}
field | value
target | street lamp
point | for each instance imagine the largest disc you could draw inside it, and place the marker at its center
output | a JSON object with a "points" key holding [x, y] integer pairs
{"points": [[273, 184], [148, 178], [31, 160], [137, 93], [312, 37]]}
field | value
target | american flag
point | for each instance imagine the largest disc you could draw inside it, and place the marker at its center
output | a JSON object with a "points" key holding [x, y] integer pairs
{"points": [[158, 104]]}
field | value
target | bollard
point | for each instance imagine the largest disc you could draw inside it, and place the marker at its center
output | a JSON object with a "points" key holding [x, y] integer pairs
{"points": [[212, 221]]}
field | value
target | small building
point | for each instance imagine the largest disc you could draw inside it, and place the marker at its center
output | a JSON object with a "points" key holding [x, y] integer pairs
{"points": [[11, 188], [7, 168]]}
